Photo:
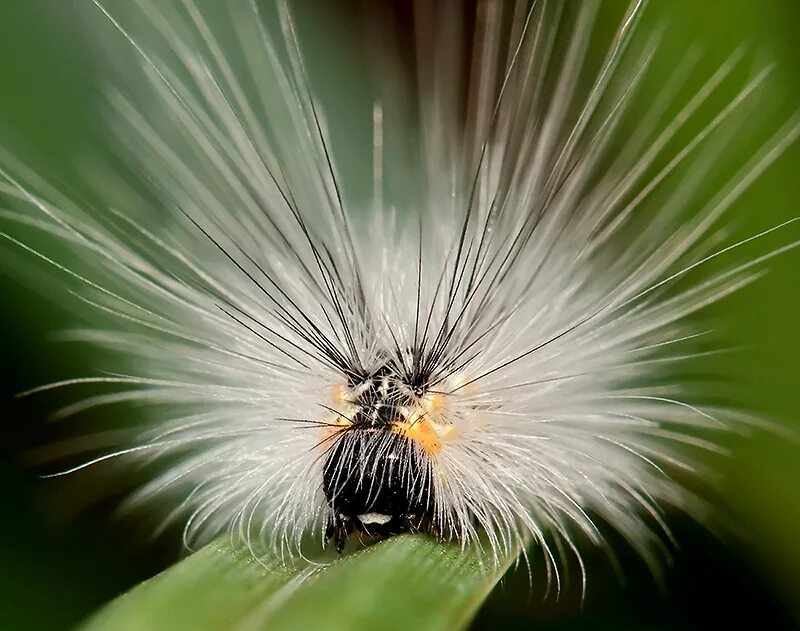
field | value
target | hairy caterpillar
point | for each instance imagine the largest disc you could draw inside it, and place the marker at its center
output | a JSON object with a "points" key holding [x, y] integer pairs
{"points": [[482, 361]]}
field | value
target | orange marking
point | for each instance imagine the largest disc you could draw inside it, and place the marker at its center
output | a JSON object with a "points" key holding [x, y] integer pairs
{"points": [[434, 402], [340, 394], [429, 435]]}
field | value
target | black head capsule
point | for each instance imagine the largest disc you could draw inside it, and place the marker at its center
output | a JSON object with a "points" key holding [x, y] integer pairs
{"points": [[376, 482], [380, 399]]}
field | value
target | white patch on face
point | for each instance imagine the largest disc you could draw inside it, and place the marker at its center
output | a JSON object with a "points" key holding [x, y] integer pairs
{"points": [[374, 518]]}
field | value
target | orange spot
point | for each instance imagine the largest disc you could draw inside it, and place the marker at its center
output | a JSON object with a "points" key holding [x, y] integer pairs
{"points": [[429, 435], [340, 394], [434, 403]]}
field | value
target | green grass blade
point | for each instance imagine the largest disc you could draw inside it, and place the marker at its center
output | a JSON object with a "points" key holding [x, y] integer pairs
{"points": [[411, 581]]}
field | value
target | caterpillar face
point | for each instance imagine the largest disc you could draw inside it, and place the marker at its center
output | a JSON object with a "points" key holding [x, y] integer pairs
{"points": [[377, 474]]}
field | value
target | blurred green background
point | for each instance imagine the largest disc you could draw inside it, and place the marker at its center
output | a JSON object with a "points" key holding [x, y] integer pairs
{"points": [[59, 562]]}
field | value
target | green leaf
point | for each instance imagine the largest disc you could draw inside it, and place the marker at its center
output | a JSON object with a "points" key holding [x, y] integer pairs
{"points": [[406, 582]]}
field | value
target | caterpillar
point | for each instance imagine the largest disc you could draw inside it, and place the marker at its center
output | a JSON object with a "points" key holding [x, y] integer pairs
{"points": [[476, 352]]}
